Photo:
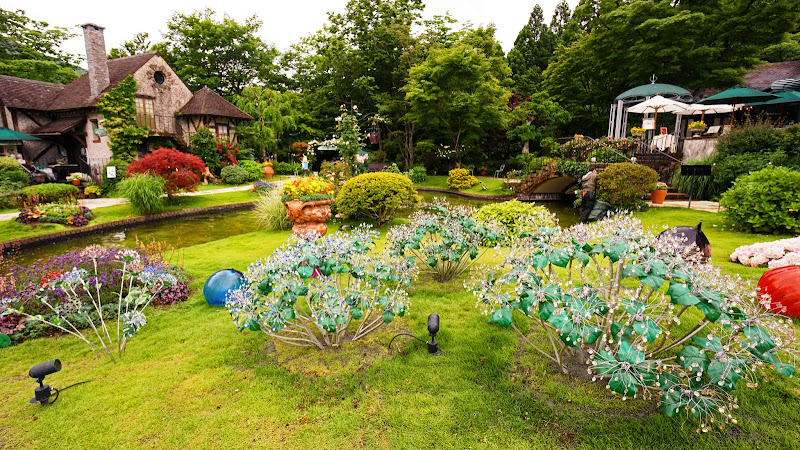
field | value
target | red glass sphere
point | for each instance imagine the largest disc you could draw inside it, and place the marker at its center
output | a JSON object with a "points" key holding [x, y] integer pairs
{"points": [[783, 286]]}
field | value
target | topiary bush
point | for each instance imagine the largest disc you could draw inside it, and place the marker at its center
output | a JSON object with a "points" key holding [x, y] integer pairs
{"points": [[145, 192], [110, 184], [253, 168], [418, 174], [624, 184], [512, 213], [180, 170], [12, 172], [766, 201], [234, 174], [49, 193], [461, 179], [377, 197]]}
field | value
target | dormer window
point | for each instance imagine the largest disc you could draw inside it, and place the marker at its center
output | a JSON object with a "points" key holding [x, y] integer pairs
{"points": [[158, 77]]}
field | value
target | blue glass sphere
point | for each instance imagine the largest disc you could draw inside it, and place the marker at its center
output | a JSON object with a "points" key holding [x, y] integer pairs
{"points": [[218, 285]]}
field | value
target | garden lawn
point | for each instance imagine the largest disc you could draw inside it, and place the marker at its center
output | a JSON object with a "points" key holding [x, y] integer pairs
{"points": [[212, 186], [494, 186], [191, 380], [11, 229]]}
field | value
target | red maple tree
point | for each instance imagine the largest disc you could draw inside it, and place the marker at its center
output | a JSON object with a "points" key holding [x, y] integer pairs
{"points": [[182, 171]]}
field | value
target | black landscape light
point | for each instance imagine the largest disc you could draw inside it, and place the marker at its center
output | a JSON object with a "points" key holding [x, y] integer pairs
{"points": [[43, 393], [433, 328]]}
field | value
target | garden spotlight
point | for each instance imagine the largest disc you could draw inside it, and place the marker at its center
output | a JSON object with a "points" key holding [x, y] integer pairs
{"points": [[433, 328], [43, 393]]}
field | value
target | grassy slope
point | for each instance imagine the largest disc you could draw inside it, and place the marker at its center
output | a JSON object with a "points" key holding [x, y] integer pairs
{"points": [[494, 186], [191, 380], [11, 229]]}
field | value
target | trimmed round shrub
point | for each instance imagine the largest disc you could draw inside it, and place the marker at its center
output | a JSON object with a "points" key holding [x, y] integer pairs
{"points": [[234, 174], [461, 179], [624, 184], [418, 174], [12, 172], [253, 168], [509, 214], [49, 193], [377, 197], [180, 170], [766, 201], [145, 192], [110, 184]]}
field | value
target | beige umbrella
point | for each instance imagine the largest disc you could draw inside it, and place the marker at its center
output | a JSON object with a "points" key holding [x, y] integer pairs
{"points": [[656, 104]]}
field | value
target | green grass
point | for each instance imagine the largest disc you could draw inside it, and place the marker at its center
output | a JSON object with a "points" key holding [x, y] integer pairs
{"points": [[11, 229], [190, 380], [211, 186], [494, 186]]}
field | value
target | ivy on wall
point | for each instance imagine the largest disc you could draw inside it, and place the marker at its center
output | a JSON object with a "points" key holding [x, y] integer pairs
{"points": [[118, 108]]}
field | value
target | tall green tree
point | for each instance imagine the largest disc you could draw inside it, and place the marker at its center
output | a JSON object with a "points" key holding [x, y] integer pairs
{"points": [[224, 55], [276, 114], [460, 92], [140, 43], [537, 121], [31, 49], [531, 53]]}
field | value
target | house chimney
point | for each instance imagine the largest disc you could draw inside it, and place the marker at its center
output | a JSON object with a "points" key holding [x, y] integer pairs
{"points": [[96, 58]]}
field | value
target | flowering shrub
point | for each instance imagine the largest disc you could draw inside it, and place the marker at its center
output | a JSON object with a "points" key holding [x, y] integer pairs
{"points": [[766, 201], [337, 172], [698, 125], [75, 296], [444, 239], [596, 293], [307, 189], [227, 151], [604, 149], [783, 252], [461, 179], [309, 291], [180, 170], [78, 176], [63, 213]]}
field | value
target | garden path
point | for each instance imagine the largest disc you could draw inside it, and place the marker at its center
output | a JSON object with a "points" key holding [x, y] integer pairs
{"points": [[700, 205], [93, 203]]}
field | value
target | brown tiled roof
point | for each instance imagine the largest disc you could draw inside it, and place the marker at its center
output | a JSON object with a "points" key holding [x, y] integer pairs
{"points": [[58, 126], [206, 102], [28, 94], [77, 94], [760, 78]]}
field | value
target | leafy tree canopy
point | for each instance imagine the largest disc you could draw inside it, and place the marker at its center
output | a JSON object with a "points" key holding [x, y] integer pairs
{"points": [[531, 53], [224, 55], [140, 43]]}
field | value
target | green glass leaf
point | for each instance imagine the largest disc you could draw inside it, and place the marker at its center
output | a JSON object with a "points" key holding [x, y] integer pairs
{"points": [[582, 257], [252, 324], [621, 332], [552, 292], [693, 359], [658, 268], [305, 271], [540, 261], [624, 383], [287, 313], [559, 257], [668, 381], [265, 287], [387, 317], [473, 253], [629, 354], [654, 281], [648, 329], [431, 261], [673, 403], [758, 337], [502, 317], [713, 344], [726, 374], [680, 294], [633, 270], [710, 312], [545, 310], [604, 363], [356, 313], [712, 298]]}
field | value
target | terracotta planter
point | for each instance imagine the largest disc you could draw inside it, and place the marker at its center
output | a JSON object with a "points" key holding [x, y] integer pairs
{"points": [[308, 216], [783, 286], [658, 196], [76, 182], [268, 171]]}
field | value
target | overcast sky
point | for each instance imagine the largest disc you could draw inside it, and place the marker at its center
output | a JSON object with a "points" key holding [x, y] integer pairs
{"points": [[284, 22]]}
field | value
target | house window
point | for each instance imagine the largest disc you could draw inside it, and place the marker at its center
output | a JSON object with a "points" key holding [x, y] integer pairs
{"points": [[95, 126], [144, 113], [158, 77], [222, 129]]}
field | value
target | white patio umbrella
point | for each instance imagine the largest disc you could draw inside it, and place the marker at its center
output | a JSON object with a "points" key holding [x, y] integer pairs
{"points": [[658, 103], [696, 108]]}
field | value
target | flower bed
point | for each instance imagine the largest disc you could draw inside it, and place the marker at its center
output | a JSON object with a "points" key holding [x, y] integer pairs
{"points": [[63, 213], [780, 253]]}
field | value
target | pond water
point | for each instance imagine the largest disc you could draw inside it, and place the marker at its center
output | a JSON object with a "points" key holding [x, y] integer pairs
{"points": [[201, 229]]}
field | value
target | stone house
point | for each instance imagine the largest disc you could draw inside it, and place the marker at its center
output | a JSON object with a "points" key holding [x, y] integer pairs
{"points": [[67, 121]]}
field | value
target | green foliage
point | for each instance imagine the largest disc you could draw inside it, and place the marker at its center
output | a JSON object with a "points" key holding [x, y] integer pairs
{"points": [[122, 171], [337, 172], [766, 201], [538, 121], [224, 55], [418, 174], [253, 168], [348, 140], [48, 71], [572, 168], [140, 43], [531, 163], [12, 172], [750, 137], [10, 194], [786, 50], [377, 197], [203, 144], [605, 150], [144, 191], [701, 187], [276, 114], [461, 179], [287, 168], [270, 212], [234, 174], [533, 48], [49, 193], [118, 107], [513, 213], [624, 184]]}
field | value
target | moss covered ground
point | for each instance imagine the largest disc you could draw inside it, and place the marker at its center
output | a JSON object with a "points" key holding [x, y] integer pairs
{"points": [[190, 380]]}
